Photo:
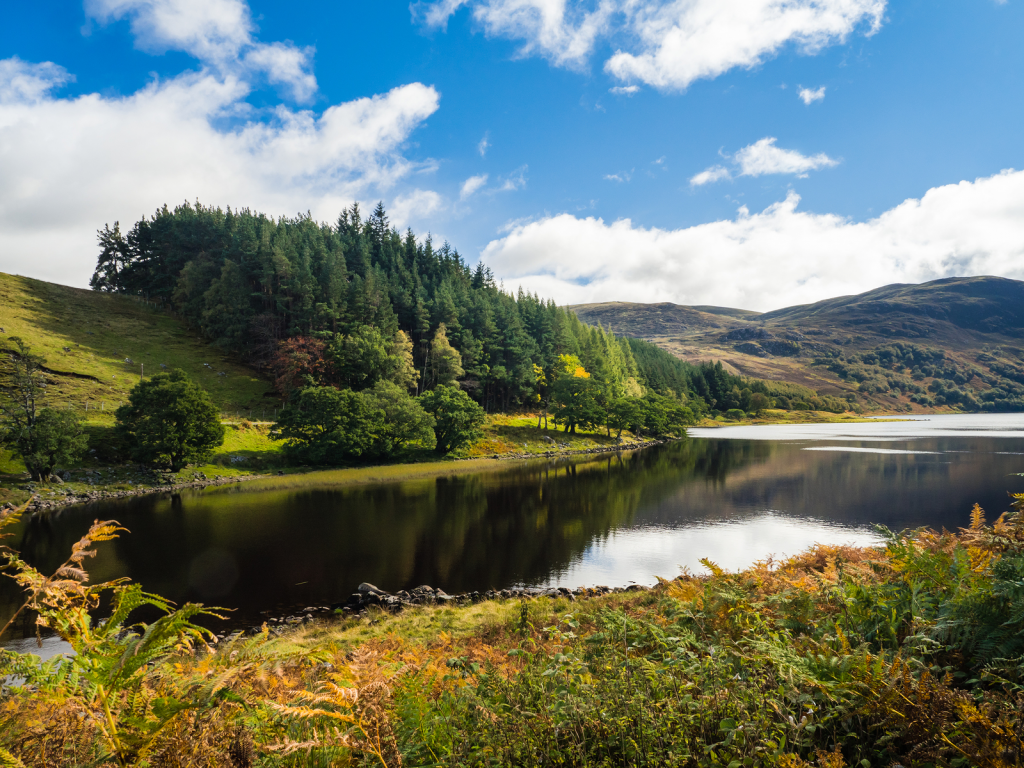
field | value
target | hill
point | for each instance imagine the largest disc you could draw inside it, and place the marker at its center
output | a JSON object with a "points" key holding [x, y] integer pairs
{"points": [[97, 345], [951, 343]]}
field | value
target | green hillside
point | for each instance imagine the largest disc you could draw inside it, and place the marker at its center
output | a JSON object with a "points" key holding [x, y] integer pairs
{"points": [[88, 339], [954, 343]]}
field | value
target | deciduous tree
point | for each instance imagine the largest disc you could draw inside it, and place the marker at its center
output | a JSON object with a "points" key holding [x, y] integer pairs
{"points": [[457, 417], [169, 420]]}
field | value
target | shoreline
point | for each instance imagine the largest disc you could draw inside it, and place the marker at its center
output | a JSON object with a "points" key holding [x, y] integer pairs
{"points": [[351, 475]]}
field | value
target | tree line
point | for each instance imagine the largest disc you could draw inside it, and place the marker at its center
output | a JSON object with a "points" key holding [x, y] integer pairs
{"points": [[355, 302]]}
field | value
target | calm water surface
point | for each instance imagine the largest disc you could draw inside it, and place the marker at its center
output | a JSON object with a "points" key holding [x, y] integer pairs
{"points": [[734, 494]]}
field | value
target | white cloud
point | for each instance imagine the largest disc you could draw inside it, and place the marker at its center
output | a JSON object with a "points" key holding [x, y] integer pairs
{"points": [[686, 40], [217, 32], [620, 177], [72, 164], [560, 31], [809, 96], [414, 206], [666, 43], [778, 257], [624, 90], [27, 83], [710, 175], [483, 146], [471, 185], [763, 157], [515, 180]]}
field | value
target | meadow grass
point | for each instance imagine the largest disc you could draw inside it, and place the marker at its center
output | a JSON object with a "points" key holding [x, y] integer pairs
{"points": [[86, 338]]}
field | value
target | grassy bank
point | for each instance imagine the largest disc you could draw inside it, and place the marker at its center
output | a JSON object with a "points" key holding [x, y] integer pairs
{"points": [[249, 451], [910, 654]]}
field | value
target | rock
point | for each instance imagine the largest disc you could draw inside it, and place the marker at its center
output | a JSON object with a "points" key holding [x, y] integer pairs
{"points": [[366, 587], [637, 588], [55, 478], [440, 592]]}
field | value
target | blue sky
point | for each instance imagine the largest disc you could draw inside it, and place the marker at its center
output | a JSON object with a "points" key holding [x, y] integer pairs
{"points": [[563, 141]]}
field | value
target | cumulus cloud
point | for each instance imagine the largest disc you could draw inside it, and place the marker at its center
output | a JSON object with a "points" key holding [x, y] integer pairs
{"points": [[665, 43], [763, 157], [562, 32], [624, 90], [22, 82], [217, 32], [710, 175], [808, 96], [471, 185], [778, 257], [72, 164]]}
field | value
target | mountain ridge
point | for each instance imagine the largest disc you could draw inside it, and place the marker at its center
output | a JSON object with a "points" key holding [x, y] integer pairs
{"points": [[947, 343]]}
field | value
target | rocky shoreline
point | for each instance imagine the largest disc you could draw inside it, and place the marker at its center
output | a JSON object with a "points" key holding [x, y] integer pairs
{"points": [[90, 496]]}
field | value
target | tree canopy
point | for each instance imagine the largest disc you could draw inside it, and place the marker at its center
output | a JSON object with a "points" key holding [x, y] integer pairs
{"points": [[354, 302], [170, 420]]}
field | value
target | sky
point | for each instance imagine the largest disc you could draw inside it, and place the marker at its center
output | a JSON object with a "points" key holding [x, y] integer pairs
{"points": [[744, 153]]}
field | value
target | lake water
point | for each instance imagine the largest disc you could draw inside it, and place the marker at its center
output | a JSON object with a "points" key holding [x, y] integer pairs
{"points": [[733, 494]]}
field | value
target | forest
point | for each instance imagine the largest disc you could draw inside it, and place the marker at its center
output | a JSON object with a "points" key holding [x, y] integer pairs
{"points": [[351, 303]]}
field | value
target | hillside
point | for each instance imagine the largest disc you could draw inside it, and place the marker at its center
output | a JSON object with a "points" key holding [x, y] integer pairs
{"points": [[955, 342], [97, 345]]}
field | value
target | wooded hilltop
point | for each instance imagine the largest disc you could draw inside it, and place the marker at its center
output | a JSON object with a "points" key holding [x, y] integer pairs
{"points": [[349, 304]]}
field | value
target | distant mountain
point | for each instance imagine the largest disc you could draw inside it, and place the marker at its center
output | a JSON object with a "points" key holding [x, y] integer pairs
{"points": [[951, 343]]}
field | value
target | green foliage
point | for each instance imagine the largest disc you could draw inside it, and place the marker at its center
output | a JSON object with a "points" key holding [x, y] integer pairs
{"points": [[41, 437], [324, 425], [170, 420], [404, 422], [575, 401], [56, 439], [357, 302], [444, 363], [457, 419]]}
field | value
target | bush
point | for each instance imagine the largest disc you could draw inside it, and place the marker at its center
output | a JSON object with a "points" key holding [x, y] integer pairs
{"points": [[735, 414], [169, 420]]}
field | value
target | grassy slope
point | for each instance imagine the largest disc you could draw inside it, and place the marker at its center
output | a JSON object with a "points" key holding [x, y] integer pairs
{"points": [[90, 334], [961, 316]]}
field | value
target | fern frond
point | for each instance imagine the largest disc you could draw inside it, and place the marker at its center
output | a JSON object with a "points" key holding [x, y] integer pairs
{"points": [[7, 760], [977, 517], [711, 566]]}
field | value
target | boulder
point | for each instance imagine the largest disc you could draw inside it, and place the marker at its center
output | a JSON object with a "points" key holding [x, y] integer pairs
{"points": [[367, 588]]}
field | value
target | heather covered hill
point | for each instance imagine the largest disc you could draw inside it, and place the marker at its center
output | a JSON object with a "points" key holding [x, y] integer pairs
{"points": [[951, 343]]}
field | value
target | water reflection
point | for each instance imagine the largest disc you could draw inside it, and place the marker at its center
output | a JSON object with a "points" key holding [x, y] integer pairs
{"points": [[610, 519]]}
